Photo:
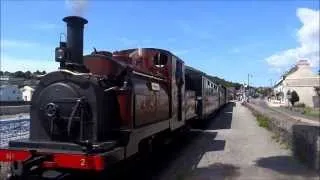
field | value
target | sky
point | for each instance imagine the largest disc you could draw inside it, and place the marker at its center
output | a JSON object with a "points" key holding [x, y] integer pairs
{"points": [[228, 39]]}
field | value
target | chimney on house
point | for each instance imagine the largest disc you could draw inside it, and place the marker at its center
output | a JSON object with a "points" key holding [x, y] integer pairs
{"points": [[303, 63]]}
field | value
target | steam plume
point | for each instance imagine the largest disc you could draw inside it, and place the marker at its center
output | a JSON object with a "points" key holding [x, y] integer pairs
{"points": [[77, 7]]}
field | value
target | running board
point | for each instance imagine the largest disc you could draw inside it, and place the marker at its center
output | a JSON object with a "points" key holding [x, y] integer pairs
{"points": [[63, 146]]}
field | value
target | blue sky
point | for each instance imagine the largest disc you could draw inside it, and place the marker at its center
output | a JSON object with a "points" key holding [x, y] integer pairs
{"points": [[225, 39]]}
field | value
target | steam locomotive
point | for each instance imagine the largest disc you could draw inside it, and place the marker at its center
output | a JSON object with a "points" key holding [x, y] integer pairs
{"points": [[100, 109]]}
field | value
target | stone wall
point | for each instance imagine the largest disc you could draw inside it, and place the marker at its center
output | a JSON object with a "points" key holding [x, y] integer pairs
{"points": [[303, 139], [14, 103]]}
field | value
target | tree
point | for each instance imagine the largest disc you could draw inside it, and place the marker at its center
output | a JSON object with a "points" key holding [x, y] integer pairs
{"points": [[294, 97], [28, 75], [37, 72], [7, 73], [19, 74], [1, 73]]}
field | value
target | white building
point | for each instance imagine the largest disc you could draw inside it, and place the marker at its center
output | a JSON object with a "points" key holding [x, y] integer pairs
{"points": [[27, 92], [10, 93], [302, 80]]}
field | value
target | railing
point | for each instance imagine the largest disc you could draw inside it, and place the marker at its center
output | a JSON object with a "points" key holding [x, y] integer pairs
{"points": [[14, 103], [13, 129]]}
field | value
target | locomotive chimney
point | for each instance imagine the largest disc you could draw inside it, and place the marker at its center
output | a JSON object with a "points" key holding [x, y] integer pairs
{"points": [[75, 25]]}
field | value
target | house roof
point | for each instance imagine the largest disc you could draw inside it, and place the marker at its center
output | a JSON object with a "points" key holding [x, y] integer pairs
{"points": [[303, 70]]}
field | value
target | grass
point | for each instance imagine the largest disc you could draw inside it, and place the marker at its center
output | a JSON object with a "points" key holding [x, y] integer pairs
{"points": [[305, 110], [311, 112], [263, 121]]}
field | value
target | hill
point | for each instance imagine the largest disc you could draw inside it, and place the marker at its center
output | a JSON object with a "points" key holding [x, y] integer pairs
{"points": [[217, 79], [224, 82]]}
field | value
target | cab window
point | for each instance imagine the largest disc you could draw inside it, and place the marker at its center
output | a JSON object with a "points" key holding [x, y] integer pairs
{"points": [[160, 60]]}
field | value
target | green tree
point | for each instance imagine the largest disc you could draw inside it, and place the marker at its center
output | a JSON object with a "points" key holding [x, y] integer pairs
{"points": [[28, 75], [1, 73], [294, 97], [37, 72], [6, 73], [19, 74]]}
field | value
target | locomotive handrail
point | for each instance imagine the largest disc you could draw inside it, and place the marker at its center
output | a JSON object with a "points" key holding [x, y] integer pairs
{"points": [[146, 75], [74, 73], [112, 88]]}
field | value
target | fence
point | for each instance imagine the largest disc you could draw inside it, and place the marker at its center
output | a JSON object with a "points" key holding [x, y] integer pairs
{"points": [[12, 110], [13, 129], [14, 103]]}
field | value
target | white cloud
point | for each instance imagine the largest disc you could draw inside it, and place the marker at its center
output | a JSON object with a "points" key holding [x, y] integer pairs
{"points": [[308, 38], [12, 64]]}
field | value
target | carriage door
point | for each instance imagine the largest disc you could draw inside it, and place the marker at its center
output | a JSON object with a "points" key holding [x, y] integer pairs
{"points": [[179, 82]]}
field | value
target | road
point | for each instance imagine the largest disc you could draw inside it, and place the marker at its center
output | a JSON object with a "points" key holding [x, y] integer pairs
{"points": [[231, 146]]}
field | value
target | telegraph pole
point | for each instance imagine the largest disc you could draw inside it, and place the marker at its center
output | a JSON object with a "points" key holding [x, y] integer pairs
{"points": [[271, 88], [271, 83], [249, 85], [248, 82]]}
